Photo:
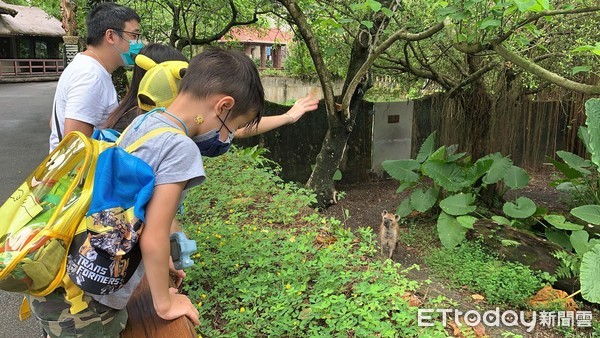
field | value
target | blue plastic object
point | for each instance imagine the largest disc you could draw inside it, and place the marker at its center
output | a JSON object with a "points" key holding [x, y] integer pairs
{"points": [[181, 250]]}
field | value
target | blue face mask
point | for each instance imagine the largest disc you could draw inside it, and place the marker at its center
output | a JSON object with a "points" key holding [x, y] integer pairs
{"points": [[134, 49], [210, 145]]}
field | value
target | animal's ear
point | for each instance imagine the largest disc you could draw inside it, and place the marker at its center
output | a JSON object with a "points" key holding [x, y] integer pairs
{"points": [[397, 217], [384, 213], [144, 62], [146, 100], [177, 68]]}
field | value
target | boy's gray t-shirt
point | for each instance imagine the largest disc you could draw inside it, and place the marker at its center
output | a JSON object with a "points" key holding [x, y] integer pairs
{"points": [[173, 158]]}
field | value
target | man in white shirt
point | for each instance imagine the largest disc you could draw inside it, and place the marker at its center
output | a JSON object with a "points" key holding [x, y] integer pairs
{"points": [[85, 94]]}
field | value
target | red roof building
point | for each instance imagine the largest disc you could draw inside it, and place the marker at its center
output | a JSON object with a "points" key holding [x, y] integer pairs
{"points": [[265, 44]]}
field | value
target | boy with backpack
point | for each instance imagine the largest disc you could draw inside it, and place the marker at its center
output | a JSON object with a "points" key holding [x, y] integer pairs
{"points": [[220, 93]]}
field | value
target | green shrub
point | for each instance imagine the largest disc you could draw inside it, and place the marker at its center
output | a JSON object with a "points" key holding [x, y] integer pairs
{"points": [[267, 265], [500, 282]]}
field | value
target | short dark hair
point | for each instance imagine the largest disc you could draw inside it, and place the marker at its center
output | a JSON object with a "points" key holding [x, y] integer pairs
{"points": [[104, 16], [228, 72]]}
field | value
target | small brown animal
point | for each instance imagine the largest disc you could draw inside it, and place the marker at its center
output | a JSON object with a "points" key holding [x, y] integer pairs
{"points": [[388, 233]]}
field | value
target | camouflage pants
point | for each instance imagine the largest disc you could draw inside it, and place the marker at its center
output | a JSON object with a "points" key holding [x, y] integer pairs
{"points": [[98, 320]]}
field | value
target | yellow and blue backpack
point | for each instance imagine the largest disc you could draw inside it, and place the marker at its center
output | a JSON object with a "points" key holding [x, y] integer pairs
{"points": [[75, 220]]}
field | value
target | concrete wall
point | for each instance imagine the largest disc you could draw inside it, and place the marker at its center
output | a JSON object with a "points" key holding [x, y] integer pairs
{"points": [[286, 89], [392, 132]]}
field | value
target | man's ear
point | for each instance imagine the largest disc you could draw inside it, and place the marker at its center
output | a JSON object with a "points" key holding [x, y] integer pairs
{"points": [[110, 36]]}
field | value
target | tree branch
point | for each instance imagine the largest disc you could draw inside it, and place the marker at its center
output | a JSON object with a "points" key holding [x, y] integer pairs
{"points": [[542, 14], [233, 22], [401, 34], [473, 77], [315, 53], [545, 74]]}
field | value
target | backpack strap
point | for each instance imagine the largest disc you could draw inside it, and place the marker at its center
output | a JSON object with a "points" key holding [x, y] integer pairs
{"points": [[56, 124], [133, 147], [24, 310], [73, 295]]}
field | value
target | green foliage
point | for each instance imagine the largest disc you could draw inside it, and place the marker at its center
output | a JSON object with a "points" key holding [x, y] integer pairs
{"points": [[267, 265], [500, 282], [587, 213], [50, 7], [581, 176], [450, 230], [569, 264], [444, 179], [590, 275], [522, 208], [559, 222]]}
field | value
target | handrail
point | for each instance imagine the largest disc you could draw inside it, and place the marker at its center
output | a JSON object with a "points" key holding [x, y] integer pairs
{"points": [[144, 322], [26, 67]]}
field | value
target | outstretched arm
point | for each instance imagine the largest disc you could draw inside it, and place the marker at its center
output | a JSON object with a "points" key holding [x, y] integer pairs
{"points": [[155, 246], [302, 106]]}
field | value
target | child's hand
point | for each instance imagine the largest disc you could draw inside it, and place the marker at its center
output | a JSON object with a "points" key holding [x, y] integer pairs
{"points": [[178, 275], [181, 306], [303, 105]]}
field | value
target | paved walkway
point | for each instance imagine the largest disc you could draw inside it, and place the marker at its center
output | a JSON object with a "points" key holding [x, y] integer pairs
{"points": [[25, 110]]}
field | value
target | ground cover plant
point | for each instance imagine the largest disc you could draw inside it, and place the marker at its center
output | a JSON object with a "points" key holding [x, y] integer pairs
{"points": [[503, 283], [267, 265]]}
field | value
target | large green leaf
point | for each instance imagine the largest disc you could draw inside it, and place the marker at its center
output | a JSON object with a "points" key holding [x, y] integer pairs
{"points": [[455, 157], [460, 204], [423, 200], [426, 148], [450, 231], [498, 169], [559, 222], [501, 220], [404, 209], [466, 221], [404, 185], [584, 136], [569, 172], [516, 178], [447, 175], [480, 168], [559, 237], [523, 208], [438, 155], [402, 170], [579, 240], [588, 213], [575, 162], [590, 275], [592, 111]]}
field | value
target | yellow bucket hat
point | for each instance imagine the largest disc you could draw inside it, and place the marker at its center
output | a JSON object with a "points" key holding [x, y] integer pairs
{"points": [[160, 84]]}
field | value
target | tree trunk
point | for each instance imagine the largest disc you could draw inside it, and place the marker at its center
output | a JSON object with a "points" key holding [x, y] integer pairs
{"points": [[327, 162], [340, 126]]}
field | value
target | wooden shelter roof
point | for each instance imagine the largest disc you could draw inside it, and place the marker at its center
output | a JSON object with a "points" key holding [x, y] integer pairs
{"points": [[27, 21]]}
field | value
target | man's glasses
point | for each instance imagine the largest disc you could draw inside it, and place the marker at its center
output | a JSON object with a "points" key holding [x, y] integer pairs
{"points": [[137, 36]]}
